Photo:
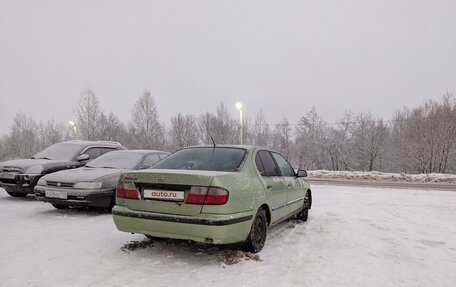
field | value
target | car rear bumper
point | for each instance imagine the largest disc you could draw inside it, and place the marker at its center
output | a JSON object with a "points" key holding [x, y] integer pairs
{"points": [[207, 228], [77, 197]]}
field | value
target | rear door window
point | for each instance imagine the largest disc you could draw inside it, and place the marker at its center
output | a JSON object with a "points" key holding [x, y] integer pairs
{"points": [[259, 165], [284, 166], [270, 167]]}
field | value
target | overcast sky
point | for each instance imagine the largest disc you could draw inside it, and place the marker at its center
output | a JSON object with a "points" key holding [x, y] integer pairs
{"points": [[279, 56]]}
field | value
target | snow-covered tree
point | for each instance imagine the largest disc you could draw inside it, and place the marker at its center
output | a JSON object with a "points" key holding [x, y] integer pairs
{"points": [[184, 132], [89, 116], [261, 133], [23, 139], [145, 128], [220, 125], [368, 137], [51, 132], [309, 141], [281, 138]]}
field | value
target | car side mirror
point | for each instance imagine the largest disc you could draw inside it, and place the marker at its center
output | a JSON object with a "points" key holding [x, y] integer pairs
{"points": [[301, 173], [83, 157]]}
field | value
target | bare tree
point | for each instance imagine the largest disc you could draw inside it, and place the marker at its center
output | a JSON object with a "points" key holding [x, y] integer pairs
{"points": [[145, 128], [206, 125], [227, 129], [114, 129], [5, 148], [184, 132], [51, 132], [281, 139], [335, 143], [247, 131], [309, 141], [428, 133], [368, 139], [400, 156], [23, 139], [89, 116], [221, 126], [420, 139], [261, 131]]}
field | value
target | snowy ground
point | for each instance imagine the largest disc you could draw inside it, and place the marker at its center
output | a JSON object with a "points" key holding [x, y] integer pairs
{"points": [[383, 176], [354, 237]]}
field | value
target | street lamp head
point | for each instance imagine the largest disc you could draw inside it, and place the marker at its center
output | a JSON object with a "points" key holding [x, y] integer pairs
{"points": [[73, 128], [238, 106]]}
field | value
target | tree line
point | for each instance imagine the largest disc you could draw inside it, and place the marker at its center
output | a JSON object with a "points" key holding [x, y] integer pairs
{"points": [[416, 140]]}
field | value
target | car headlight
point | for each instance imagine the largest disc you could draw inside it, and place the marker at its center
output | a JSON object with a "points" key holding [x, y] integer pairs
{"points": [[42, 182], [87, 185]]}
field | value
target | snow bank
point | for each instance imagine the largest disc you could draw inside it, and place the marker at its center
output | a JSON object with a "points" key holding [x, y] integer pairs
{"points": [[382, 176]]}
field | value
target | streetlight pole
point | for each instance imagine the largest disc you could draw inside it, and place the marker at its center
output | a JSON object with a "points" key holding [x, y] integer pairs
{"points": [[239, 107], [73, 128]]}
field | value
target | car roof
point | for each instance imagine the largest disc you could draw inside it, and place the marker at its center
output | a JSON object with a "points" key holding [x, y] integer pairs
{"points": [[89, 143], [247, 147], [141, 151]]}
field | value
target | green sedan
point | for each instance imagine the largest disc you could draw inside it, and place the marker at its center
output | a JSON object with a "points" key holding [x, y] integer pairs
{"points": [[213, 194]]}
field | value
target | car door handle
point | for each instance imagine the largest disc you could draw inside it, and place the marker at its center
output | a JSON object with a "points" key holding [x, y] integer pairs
{"points": [[269, 186]]}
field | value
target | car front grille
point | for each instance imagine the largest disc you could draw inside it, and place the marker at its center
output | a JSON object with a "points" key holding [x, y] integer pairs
{"points": [[60, 184], [10, 181], [11, 169]]}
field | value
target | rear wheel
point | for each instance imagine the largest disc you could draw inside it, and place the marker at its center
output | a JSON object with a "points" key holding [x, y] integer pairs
{"points": [[304, 213], [257, 237], [59, 206], [16, 194]]}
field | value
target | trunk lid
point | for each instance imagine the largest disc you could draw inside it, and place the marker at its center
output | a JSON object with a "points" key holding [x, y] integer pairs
{"points": [[178, 181]]}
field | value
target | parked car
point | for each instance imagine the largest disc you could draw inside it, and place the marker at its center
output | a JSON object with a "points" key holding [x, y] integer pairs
{"points": [[213, 194], [94, 184], [19, 177]]}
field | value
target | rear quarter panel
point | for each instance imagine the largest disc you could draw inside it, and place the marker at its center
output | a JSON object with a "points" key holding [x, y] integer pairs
{"points": [[245, 189]]}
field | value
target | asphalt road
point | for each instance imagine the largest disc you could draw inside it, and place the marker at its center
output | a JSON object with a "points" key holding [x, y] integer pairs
{"points": [[385, 184]]}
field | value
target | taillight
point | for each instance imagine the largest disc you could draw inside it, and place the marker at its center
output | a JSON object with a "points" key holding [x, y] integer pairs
{"points": [[196, 195], [216, 196], [127, 190], [203, 195]]}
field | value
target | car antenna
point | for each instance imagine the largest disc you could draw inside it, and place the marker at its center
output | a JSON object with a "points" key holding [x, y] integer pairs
{"points": [[212, 139], [210, 135]]}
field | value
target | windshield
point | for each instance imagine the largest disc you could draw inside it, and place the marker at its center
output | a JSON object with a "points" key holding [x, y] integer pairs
{"points": [[206, 158], [117, 159], [60, 151]]}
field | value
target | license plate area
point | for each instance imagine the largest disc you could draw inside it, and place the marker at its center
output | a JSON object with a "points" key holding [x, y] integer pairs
{"points": [[166, 195], [56, 194]]}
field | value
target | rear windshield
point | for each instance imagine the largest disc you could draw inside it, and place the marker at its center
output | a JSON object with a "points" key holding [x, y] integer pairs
{"points": [[117, 159], [60, 151], [204, 158]]}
